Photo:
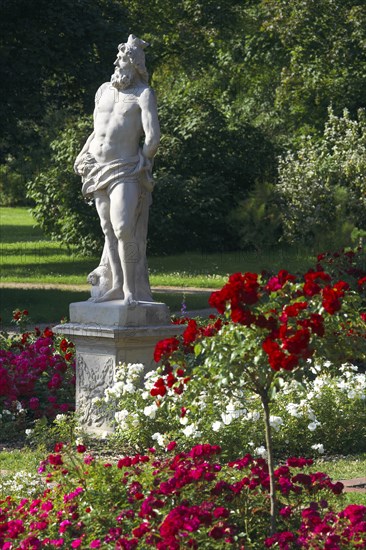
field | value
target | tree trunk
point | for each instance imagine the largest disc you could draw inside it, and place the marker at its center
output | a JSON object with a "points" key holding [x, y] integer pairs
{"points": [[272, 490]]}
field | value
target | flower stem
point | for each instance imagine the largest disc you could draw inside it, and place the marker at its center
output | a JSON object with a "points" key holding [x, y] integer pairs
{"points": [[272, 489]]}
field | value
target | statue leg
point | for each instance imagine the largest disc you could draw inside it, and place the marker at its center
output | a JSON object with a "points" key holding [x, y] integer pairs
{"points": [[103, 206], [124, 200]]}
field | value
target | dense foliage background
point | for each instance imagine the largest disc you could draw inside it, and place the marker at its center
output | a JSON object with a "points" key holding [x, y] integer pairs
{"points": [[242, 87]]}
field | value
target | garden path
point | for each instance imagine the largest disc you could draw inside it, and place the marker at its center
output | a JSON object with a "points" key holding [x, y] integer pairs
{"points": [[356, 485], [60, 286]]}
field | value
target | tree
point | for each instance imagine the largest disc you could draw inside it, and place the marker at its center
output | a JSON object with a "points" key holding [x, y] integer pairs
{"points": [[52, 54], [205, 158], [324, 59], [59, 207]]}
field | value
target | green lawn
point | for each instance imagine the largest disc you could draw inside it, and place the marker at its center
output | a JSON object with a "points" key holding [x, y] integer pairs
{"points": [[336, 467], [28, 257]]}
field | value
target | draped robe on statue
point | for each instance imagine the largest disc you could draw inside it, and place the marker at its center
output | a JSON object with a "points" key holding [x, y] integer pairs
{"points": [[103, 178]]}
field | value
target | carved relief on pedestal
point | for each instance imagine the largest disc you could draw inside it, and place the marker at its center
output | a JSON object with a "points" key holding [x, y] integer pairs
{"points": [[92, 378]]}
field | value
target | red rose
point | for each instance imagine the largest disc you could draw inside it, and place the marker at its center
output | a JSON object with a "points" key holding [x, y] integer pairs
{"points": [[331, 302], [165, 348], [172, 445]]}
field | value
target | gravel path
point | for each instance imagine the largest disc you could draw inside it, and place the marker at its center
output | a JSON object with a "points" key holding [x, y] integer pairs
{"points": [[81, 288]]}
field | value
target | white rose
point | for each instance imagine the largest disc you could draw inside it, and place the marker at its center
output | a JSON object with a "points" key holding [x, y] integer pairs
{"points": [[275, 422], [261, 451], [216, 426], [150, 411], [159, 438], [318, 447], [190, 430], [293, 410], [227, 418], [129, 388]]}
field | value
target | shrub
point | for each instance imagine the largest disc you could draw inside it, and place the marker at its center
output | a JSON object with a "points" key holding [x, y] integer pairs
{"points": [[257, 219], [273, 327], [322, 185], [203, 168], [60, 209], [323, 415]]}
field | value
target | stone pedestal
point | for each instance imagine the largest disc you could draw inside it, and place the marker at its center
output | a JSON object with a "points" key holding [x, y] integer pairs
{"points": [[107, 334]]}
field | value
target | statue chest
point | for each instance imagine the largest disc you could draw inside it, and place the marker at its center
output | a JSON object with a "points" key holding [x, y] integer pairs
{"points": [[118, 105]]}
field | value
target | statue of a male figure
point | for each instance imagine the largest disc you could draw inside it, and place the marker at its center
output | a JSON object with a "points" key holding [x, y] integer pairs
{"points": [[116, 172]]}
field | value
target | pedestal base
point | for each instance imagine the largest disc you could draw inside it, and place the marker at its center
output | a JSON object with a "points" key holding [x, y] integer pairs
{"points": [[107, 334], [115, 314]]}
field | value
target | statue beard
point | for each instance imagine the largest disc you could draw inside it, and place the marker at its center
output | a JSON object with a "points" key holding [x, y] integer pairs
{"points": [[122, 78]]}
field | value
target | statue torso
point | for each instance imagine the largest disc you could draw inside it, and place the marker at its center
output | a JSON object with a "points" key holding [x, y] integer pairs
{"points": [[117, 123]]}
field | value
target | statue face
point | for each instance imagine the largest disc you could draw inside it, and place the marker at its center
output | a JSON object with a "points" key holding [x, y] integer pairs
{"points": [[122, 60], [124, 72]]}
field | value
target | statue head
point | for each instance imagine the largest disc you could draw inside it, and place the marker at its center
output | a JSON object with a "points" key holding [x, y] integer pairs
{"points": [[130, 60]]}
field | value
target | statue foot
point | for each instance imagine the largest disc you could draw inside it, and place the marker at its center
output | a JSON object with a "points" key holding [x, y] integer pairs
{"points": [[129, 301], [113, 294]]}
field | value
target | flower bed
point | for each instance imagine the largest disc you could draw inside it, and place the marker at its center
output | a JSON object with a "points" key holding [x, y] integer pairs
{"points": [[270, 358], [37, 377], [189, 500]]}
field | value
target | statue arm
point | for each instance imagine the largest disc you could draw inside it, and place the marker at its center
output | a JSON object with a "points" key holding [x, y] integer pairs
{"points": [[150, 123], [85, 149]]}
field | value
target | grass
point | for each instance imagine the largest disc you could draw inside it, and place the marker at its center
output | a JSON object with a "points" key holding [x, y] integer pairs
{"points": [[347, 467], [48, 262], [17, 225], [26, 256], [44, 306], [28, 458]]}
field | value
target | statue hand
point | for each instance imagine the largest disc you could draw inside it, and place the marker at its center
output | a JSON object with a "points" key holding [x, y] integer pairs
{"points": [[76, 165]]}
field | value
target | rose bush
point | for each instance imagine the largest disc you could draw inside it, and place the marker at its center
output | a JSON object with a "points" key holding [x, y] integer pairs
{"points": [[190, 499], [324, 415], [274, 329], [37, 376]]}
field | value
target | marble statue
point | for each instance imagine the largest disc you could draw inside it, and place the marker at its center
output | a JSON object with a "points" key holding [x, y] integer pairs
{"points": [[116, 172]]}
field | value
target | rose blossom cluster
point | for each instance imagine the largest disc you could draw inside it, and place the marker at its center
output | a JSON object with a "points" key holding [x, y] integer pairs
{"points": [[330, 531], [36, 370], [347, 264], [165, 348], [19, 316], [188, 499], [289, 316], [288, 330]]}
